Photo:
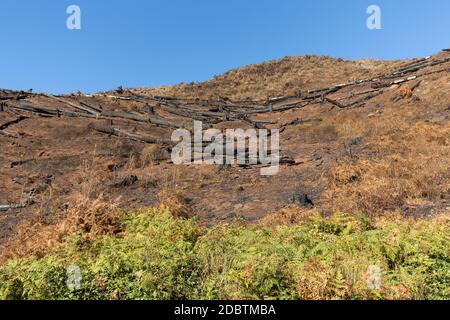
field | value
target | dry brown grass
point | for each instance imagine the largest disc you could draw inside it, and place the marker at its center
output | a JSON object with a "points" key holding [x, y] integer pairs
{"points": [[89, 213], [36, 236], [152, 154], [90, 181], [178, 204], [276, 78], [288, 216], [413, 163], [313, 281], [405, 92]]}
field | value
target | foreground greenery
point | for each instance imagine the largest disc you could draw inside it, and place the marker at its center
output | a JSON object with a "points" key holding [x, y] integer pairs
{"points": [[160, 257]]}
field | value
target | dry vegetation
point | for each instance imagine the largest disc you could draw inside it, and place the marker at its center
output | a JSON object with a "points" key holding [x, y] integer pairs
{"points": [[411, 165], [384, 163], [283, 77], [161, 257]]}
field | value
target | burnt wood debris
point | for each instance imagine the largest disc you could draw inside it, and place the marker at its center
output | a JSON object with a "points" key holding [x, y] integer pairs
{"points": [[97, 106], [105, 116]]}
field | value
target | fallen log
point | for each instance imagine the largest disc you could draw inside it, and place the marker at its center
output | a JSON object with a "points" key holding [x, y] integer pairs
{"points": [[123, 134], [74, 105], [363, 100], [254, 124], [7, 207], [421, 65], [203, 102], [297, 122], [9, 123], [184, 102], [416, 85], [47, 112], [16, 163], [293, 105], [89, 105], [149, 119], [334, 103], [50, 112], [14, 97], [410, 65], [193, 114]]}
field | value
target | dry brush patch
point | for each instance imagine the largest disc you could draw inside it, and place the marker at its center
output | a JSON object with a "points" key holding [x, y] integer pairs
{"points": [[287, 76], [36, 236], [411, 163]]}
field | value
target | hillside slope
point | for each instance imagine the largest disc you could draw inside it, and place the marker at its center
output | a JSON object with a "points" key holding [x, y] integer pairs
{"points": [[365, 137], [286, 76]]}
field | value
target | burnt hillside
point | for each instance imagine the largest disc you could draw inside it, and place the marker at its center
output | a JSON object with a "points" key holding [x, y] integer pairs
{"points": [[356, 136]]}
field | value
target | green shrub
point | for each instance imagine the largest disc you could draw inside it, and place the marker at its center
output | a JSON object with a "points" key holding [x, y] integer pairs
{"points": [[161, 257]]}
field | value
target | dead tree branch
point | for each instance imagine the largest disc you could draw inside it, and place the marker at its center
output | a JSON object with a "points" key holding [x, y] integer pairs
{"points": [[123, 134], [9, 123]]}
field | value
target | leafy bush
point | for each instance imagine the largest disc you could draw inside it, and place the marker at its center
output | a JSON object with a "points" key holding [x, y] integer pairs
{"points": [[162, 257]]}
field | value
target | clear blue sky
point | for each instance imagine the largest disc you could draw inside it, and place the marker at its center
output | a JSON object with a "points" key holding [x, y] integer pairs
{"points": [[154, 42]]}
